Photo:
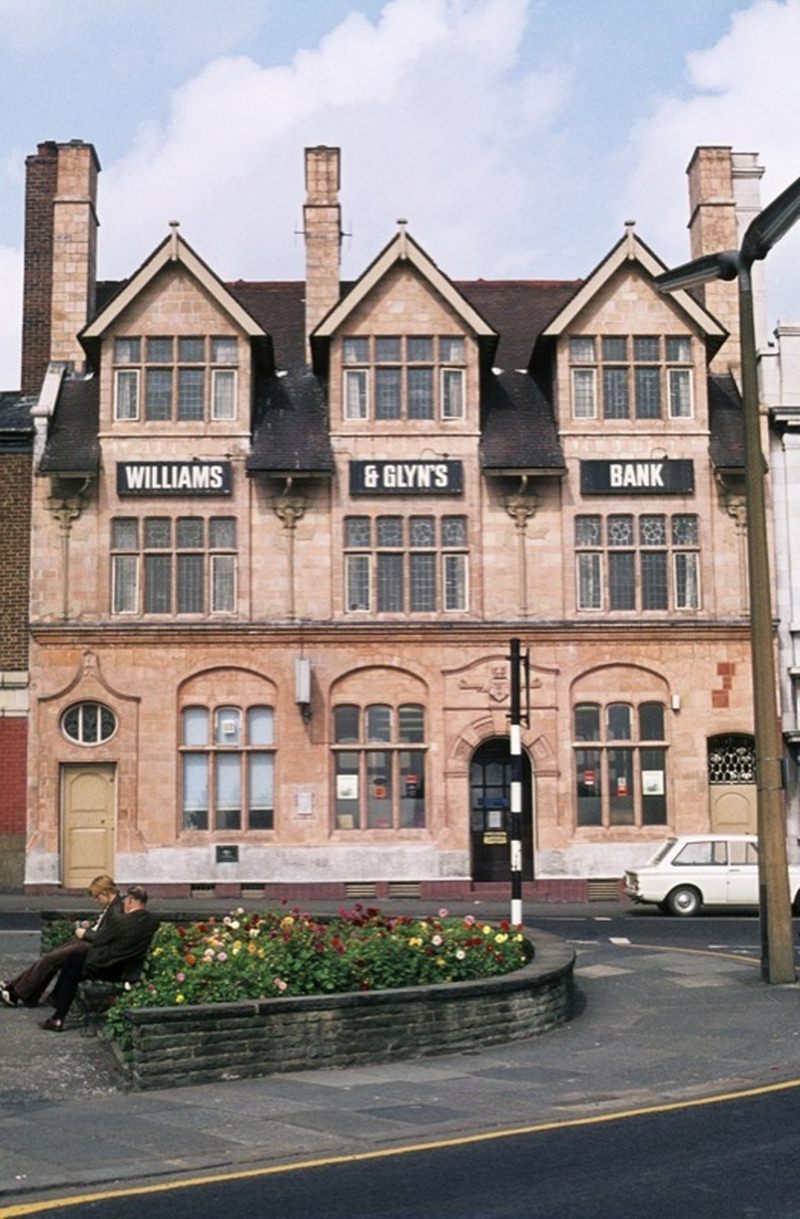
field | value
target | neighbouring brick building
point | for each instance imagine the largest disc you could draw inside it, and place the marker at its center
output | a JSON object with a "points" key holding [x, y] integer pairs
{"points": [[284, 532], [16, 447]]}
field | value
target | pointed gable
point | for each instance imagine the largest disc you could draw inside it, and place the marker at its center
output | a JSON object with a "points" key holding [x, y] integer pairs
{"points": [[630, 249], [172, 251], [402, 250]]}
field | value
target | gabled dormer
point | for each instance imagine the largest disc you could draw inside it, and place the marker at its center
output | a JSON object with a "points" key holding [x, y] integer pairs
{"points": [[623, 355], [174, 348], [403, 347]]}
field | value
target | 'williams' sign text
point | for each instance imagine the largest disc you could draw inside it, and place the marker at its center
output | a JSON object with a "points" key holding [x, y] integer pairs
{"points": [[174, 478]]}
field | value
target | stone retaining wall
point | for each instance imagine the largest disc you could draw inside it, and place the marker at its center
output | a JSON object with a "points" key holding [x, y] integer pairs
{"points": [[199, 1044]]}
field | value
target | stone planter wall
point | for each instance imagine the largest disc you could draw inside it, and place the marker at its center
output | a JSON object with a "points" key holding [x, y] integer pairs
{"points": [[198, 1044]]}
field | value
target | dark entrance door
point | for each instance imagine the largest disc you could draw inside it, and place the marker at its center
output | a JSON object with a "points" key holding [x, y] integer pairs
{"points": [[490, 812]]}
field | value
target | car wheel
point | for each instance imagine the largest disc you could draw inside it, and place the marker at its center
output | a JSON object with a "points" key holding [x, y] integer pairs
{"points": [[684, 901]]}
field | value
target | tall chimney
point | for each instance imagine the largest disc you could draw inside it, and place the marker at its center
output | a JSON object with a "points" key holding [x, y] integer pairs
{"points": [[747, 175], [712, 227], [41, 172], [60, 256], [322, 227]]}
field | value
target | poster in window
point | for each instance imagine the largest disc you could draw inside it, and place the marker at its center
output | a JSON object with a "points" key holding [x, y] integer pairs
{"points": [[652, 783], [347, 787]]}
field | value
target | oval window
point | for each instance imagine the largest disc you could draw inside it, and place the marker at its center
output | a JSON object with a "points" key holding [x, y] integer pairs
{"points": [[88, 723]]}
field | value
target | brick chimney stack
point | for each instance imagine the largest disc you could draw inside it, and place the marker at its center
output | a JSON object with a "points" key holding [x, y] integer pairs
{"points": [[322, 227], [712, 227], [60, 256]]}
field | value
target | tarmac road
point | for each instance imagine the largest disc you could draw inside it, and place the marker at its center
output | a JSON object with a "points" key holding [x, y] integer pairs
{"points": [[652, 1025]]}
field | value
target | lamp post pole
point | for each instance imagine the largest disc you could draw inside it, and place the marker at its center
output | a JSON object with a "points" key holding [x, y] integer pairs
{"points": [[777, 955], [777, 950]]}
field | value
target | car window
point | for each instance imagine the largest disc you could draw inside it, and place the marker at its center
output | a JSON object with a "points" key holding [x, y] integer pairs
{"points": [[701, 854], [743, 852], [663, 850]]}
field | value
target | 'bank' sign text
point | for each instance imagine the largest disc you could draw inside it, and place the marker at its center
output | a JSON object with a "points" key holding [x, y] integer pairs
{"points": [[650, 477]]}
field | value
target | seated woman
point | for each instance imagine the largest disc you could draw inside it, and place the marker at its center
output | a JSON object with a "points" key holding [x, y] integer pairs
{"points": [[118, 948], [29, 986]]}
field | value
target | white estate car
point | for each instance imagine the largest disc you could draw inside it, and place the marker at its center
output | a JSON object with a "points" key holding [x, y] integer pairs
{"points": [[703, 869]]}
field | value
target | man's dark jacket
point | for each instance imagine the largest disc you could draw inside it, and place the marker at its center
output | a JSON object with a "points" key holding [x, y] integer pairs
{"points": [[120, 945]]}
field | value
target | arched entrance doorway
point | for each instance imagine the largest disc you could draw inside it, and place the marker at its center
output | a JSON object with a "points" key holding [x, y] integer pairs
{"points": [[732, 783], [490, 812]]}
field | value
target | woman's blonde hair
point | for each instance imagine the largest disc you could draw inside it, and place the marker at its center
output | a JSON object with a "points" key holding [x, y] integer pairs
{"points": [[102, 884]]}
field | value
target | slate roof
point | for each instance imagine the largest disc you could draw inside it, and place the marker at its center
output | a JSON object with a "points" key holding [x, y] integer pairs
{"points": [[518, 310], [291, 430], [16, 425], [518, 430], [726, 423], [72, 446], [290, 419]]}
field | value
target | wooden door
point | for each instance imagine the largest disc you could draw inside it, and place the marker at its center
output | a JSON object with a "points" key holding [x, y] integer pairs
{"points": [[87, 818]]}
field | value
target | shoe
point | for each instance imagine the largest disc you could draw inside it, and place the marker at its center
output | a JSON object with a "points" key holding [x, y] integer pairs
{"points": [[7, 995], [52, 1025]]}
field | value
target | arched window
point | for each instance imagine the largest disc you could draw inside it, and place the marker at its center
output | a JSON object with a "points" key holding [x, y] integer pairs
{"points": [[620, 764], [228, 762], [379, 766]]}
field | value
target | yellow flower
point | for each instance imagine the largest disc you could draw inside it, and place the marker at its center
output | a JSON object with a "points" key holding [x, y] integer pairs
{"points": [[287, 921], [180, 998], [500, 938], [440, 961], [157, 952], [487, 929]]}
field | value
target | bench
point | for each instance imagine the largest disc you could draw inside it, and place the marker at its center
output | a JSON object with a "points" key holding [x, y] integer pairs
{"points": [[96, 995]]}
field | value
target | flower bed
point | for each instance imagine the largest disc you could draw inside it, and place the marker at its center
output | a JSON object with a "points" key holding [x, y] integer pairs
{"points": [[256, 994], [263, 956]]}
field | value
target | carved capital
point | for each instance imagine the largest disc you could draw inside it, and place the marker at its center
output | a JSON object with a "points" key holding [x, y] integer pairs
{"points": [[521, 507], [290, 509], [736, 507], [65, 511]]}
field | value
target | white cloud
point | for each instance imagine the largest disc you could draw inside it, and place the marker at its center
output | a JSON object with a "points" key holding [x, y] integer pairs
{"points": [[429, 105], [744, 93]]}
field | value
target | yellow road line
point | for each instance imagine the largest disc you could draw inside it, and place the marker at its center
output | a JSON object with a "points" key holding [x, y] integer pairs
{"points": [[34, 1208]]}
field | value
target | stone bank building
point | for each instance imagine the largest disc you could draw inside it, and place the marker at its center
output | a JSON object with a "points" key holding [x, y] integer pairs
{"points": [[283, 534]]}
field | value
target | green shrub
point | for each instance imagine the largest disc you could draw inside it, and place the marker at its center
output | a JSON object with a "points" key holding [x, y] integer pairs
{"points": [[261, 956], [57, 931]]}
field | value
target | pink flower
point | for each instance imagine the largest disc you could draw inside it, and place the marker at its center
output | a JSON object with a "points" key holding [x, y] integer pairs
{"points": [[437, 940], [279, 982], [181, 977], [443, 913], [469, 920], [222, 956]]}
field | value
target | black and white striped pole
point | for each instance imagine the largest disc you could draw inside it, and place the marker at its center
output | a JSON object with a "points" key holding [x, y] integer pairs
{"points": [[516, 786]]}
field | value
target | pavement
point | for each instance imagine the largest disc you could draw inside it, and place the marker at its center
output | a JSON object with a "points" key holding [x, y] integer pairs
{"points": [[651, 1026]]}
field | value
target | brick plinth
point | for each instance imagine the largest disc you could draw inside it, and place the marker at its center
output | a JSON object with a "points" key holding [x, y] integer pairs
{"points": [[181, 1046]]}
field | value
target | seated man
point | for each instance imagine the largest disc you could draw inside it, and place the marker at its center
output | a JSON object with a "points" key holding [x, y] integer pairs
{"points": [[29, 986], [116, 949]]}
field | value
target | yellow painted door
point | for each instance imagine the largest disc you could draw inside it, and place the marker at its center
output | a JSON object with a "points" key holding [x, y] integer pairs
{"points": [[88, 815]]}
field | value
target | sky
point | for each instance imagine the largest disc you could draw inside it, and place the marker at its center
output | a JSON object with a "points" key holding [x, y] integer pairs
{"points": [[515, 136]]}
